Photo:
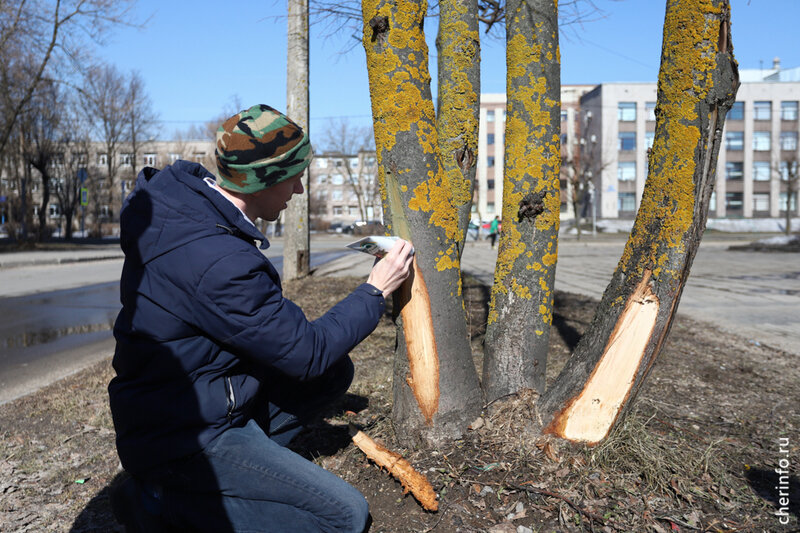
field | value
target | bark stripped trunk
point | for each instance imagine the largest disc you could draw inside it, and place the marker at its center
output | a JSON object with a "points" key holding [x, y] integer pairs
{"points": [[458, 45], [296, 246], [521, 308], [436, 391], [697, 85]]}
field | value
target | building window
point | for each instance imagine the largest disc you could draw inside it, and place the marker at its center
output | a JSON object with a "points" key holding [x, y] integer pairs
{"points": [[337, 179], [198, 156], [173, 156], [125, 184], [102, 160], [126, 160], [322, 195], [737, 111], [353, 162], [789, 140], [782, 201], [352, 210], [760, 170], [762, 110], [490, 138], [490, 208], [627, 141], [789, 110], [650, 111], [150, 160], [337, 210], [761, 141], [336, 195], [322, 162], [734, 140], [734, 201], [53, 211], [81, 159], [564, 115], [761, 201], [649, 139], [490, 184], [712, 202], [626, 111], [490, 161], [490, 115], [626, 171], [321, 179], [788, 170], [626, 201], [734, 170]]}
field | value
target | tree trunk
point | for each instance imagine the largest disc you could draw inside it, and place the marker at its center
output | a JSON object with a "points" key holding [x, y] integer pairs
{"points": [[436, 391], [521, 309], [459, 78], [296, 246], [697, 85]]}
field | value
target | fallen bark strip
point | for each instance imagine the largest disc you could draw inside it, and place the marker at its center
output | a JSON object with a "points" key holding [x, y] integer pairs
{"points": [[399, 468]]}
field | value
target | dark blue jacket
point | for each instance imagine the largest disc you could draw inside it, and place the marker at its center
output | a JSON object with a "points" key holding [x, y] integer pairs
{"points": [[203, 316]]}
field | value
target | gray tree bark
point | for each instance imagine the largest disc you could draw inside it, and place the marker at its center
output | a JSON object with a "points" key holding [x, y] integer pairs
{"points": [[296, 245], [521, 309]]}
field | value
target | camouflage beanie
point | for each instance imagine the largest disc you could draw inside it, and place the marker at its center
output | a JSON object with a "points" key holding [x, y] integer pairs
{"points": [[258, 148]]}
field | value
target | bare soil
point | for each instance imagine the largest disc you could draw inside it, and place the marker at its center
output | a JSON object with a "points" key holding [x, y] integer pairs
{"points": [[698, 452]]}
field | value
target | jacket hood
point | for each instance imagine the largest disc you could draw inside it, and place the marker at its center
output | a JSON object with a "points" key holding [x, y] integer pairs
{"points": [[169, 208]]}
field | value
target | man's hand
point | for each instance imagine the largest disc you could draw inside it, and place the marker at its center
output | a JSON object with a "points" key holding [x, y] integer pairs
{"points": [[391, 271]]}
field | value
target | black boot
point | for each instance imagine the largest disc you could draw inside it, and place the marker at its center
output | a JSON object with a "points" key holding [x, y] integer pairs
{"points": [[137, 510]]}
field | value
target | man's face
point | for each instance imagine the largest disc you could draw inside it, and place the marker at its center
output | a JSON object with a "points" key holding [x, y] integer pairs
{"points": [[270, 202]]}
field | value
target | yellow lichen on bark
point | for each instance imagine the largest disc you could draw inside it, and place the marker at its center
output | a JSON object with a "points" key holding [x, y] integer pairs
{"points": [[530, 154], [398, 72], [685, 79], [458, 123]]}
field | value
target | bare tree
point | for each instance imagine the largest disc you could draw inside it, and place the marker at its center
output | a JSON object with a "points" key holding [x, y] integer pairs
{"points": [[350, 149], [789, 172], [42, 36], [73, 173], [140, 117], [105, 104]]}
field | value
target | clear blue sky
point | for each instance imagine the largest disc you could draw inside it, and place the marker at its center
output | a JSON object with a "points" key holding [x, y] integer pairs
{"points": [[198, 57]]}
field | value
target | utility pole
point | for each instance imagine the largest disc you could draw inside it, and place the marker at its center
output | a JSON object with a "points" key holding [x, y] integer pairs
{"points": [[296, 246]]}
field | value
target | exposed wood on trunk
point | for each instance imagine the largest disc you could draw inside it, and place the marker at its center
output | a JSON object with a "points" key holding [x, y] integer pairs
{"points": [[423, 358], [697, 85], [521, 308], [590, 415], [418, 206], [399, 468]]}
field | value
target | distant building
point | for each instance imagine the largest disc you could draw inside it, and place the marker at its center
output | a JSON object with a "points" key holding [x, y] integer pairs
{"points": [[343, 188], [606, 130]]}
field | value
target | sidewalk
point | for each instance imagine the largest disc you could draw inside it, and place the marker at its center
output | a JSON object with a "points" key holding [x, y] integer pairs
{"points": [[59, 257]]}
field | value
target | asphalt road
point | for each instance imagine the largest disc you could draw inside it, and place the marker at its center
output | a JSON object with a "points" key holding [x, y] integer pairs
{"points": [[57, 318]]}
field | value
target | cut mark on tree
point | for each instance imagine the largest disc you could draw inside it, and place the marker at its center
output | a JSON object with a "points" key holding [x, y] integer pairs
{"points": [[423, 359], [399, 468], [589, 416], [531, 205]]}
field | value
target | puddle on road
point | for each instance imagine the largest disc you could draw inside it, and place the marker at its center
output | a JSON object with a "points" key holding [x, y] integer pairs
{"points": [[43, 336]]}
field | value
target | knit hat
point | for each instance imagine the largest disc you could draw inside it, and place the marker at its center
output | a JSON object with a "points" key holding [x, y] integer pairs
{"points": [[258, 148]]}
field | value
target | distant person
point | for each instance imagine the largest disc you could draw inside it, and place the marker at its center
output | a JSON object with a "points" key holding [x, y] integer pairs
{"points": [[494, 229], [216, 371]]}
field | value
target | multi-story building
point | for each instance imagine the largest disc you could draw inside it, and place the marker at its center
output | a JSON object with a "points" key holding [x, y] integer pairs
{"points": [[607, 129], [89, 165], [759, 153], [343, 188]]}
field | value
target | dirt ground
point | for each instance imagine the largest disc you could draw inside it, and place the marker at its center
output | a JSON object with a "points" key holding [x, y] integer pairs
{"points": [[698, 452]]}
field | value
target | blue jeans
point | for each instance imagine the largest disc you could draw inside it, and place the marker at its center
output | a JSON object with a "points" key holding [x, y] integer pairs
{"points": [[247, 480]]}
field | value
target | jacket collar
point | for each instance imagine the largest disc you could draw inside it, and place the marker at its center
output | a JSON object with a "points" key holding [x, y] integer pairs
{"points": [[191, 174]]}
